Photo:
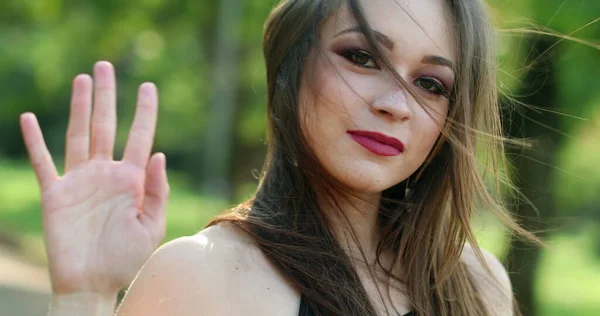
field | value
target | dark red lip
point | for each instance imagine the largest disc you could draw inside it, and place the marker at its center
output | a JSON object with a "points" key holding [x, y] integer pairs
{"points": [[381, 138]]}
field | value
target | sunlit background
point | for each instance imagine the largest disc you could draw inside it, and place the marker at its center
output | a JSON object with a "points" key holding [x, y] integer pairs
{"points": [[205, 57]]}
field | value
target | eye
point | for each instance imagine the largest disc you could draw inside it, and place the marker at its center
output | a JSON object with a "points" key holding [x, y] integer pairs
{"points": [[432, 85], [360, 58]]}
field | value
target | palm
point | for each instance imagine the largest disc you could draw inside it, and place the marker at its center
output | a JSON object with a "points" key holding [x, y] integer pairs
{"points": [[101, 213], [103, 218]]}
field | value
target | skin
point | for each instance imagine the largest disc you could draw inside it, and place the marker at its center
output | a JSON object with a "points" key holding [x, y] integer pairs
{"points": [[220, 271]]}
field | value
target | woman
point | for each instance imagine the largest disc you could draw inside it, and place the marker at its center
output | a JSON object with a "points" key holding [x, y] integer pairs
{"points": [[363, 208]]}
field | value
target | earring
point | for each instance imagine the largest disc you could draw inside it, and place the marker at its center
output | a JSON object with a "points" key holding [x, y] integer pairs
{"points": [[407, 190]]}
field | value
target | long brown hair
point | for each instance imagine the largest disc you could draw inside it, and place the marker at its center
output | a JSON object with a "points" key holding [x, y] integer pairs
{"points": [[426, 230]]}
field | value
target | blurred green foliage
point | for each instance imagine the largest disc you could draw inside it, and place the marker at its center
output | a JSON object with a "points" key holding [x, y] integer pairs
{"points": [[575, 25], [45, 43]]}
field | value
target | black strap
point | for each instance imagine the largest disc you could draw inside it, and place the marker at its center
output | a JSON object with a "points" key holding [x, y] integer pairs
{"points": [[304, 309]]}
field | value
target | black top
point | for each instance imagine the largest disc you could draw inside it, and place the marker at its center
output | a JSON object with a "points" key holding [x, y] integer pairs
{"points": [[304, 311]]}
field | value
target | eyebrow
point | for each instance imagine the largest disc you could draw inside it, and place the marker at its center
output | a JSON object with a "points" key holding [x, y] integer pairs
{"points": [[438, 60], [387, 42], [382, 38]]}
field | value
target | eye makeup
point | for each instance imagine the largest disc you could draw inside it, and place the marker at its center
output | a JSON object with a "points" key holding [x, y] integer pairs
{"points": [[361, 58]]}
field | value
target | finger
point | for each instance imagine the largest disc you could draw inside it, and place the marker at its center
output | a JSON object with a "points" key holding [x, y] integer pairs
{"points": [[104, 115], [141, 135], [78, 130], [157, 193], [40, 157]]}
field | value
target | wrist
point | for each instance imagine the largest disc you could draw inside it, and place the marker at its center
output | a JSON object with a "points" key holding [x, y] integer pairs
{"points": [[82, 303]]}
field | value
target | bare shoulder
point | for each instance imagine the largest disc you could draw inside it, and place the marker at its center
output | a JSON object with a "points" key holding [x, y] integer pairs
{"points": [[495, 288], [218, 271]]}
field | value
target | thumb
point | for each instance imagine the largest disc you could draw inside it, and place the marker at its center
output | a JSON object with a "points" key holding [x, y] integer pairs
{"points": [[156, 191]]}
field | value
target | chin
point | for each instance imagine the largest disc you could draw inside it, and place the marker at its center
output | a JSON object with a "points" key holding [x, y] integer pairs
{"points": [[365, 176]]}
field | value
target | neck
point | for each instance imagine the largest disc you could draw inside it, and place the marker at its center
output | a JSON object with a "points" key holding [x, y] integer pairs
{"points": [[358, 215]]}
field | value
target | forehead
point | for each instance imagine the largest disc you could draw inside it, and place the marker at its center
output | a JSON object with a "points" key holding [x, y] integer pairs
{"points": [[424, 26]]}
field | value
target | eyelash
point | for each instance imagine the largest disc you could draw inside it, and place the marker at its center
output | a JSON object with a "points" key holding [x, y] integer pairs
{"points": [[350, 53]]}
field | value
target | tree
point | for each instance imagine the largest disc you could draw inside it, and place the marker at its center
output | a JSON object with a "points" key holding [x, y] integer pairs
{"points": [[532, 170], [220, 130]]}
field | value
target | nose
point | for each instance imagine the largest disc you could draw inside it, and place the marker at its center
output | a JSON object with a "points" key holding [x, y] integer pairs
{"points": [[392, 103]]}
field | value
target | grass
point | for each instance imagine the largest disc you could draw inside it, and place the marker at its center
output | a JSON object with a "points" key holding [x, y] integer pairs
{"points": [[568, 280]]}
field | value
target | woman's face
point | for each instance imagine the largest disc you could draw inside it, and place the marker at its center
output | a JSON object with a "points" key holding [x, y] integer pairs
{"points": [[365, 129]]}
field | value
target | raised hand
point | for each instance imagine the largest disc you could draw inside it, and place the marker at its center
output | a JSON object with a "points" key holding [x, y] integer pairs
{"points": [[103, 218]]}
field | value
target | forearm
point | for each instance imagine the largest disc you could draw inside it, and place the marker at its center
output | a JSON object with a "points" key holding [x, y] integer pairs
{"points": [[77, 304]]}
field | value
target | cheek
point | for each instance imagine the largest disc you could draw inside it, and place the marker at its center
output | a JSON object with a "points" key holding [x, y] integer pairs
{"points": [[325, 116], [326, 106], [339, 91], [427, 127]]}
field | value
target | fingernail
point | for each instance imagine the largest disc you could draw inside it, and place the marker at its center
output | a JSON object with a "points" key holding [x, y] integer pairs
{"points": [[148, 85], [24, 115]]}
